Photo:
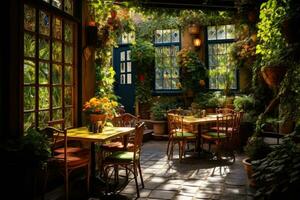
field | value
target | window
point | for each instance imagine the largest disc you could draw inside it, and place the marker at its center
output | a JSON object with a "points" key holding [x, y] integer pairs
{"points": [[167, 44], [48, 67], [219, 38]]}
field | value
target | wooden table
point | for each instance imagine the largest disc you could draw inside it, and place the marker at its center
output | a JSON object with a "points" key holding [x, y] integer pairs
{"points": [[108, 133], [197, 122]]}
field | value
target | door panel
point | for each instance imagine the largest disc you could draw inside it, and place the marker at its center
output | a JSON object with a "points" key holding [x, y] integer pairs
{"points": [[125, 73]]}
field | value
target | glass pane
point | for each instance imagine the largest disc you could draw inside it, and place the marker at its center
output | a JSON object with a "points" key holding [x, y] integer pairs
{"points": [[56, 97], [124, 38], [166, 36], [128, 66], [44, 117], [29, 45], [68, 54], [212, 61], [57, 3], [68, 75], [158, 73], [29, 18], [44, 23], [158, 84], [56, 74], [211, 32], [122, 79], [57, 51], [122, 67], [230, 32], [129, 79], [68, 117], [68, 32], [28, 120], [220, 32], [29, 72], [29, 98], [43, 97], [44, 49], [128, 55], [44, 69], [131, 37], [175, 35], [222, 49], [175, 73], [69, 6], [57, 28], [57, 114], [158, 36], [174, 83], [68, 96], [123, 56]]}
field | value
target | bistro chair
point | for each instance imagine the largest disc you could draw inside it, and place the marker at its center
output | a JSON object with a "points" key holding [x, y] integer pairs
{"points": [[73, 146], [220, 136], [66, 160], [124, 120], [128, 159], [178, 135]]}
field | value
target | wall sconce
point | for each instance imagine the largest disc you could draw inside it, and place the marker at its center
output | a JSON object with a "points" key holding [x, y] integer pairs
{"points": [[197, 42]]}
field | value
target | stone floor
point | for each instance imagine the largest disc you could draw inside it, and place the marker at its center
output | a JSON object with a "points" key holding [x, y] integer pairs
{"points": [[194, 178]]}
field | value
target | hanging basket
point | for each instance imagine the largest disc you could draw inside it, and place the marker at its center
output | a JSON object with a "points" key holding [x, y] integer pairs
{"points": [[273, 75]]}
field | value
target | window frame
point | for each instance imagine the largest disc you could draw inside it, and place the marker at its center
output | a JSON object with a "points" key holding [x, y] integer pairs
{"points": [[218, 41], [65, 18], [166, 44]]}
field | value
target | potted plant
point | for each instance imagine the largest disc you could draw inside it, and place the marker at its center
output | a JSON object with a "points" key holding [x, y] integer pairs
{"points": [[23, 161], [193, 20], [271, 46], [255, 149]]}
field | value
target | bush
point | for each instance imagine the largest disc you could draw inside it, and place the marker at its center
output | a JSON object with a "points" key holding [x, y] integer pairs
{"points": [[256, 148]]}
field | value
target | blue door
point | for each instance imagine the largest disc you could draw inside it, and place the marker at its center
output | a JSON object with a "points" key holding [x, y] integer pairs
{"points": [[125, 73]]}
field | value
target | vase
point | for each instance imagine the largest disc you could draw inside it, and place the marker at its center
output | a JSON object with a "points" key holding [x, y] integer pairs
{"points": [[97, 122], [273, 75]]}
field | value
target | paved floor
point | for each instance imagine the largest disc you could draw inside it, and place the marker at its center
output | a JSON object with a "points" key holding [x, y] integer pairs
{"points": [[194, 178]]}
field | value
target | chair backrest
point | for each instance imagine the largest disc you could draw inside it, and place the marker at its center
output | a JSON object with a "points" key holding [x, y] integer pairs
{"points": [[126, 119], [58, 139], [59, 123], [238, 119], [225, 111], [138, 139], [225, 123]]}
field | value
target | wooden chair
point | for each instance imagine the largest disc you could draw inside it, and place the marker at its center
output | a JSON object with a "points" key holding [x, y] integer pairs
{"points": [[66, 160], [129, 159], [221, 135], [178, 135], [73, 146], [124, 120]]}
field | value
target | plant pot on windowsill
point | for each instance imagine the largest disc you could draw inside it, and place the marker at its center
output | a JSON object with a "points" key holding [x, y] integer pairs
{"points": [[273, 75]]}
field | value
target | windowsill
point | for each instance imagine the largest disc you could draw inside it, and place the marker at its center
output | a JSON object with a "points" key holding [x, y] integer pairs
{"points": [[166, 92]]}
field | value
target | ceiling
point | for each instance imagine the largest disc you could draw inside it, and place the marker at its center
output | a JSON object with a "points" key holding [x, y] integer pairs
{"points": [[191, 4]]}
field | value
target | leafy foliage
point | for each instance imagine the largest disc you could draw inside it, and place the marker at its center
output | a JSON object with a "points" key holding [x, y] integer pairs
{"points": [[142, 53], [278, 175], [256, 148], [161, 106], [271, 46]]}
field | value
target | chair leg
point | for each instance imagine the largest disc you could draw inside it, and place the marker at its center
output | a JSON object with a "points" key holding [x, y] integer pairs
{"points": [[168, 146], [136, 181], [67, 186], [88, 178], [141, 176], [45, 182]]}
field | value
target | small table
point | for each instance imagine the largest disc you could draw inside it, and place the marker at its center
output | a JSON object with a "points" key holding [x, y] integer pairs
{"points": [[108, 133]]}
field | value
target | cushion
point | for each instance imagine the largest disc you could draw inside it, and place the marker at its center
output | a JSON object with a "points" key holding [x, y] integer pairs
{"points": [[120, 156], [73, 160], [183, 134], [213, 135]]}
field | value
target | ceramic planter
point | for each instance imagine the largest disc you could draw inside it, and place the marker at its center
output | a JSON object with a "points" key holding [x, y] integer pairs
{"points": [[273, 75], [248, 168]]}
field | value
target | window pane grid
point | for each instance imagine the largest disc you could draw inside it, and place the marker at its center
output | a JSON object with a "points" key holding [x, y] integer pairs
{"points": [[45, 68]]}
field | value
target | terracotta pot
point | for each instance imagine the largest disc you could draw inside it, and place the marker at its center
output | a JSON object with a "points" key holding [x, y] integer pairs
{"points": [[273, 75], [210, 110], [97, 122], [159, 127], [249, 171]]}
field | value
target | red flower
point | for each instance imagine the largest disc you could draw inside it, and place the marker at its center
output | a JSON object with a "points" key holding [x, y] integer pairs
{"points": [[141, 77]]}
